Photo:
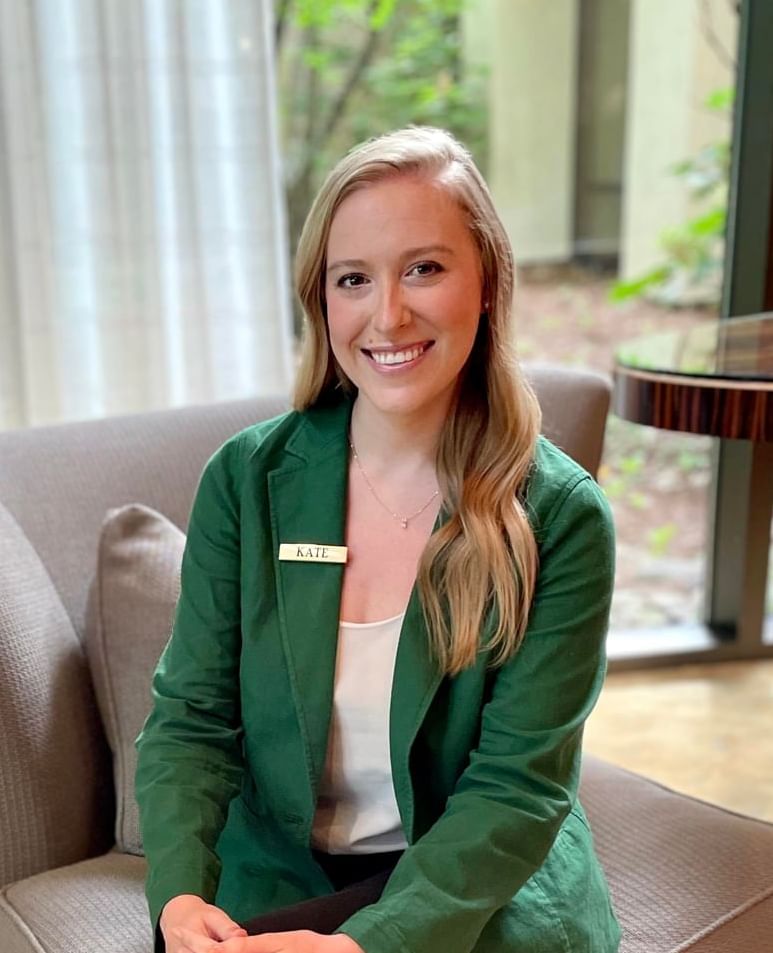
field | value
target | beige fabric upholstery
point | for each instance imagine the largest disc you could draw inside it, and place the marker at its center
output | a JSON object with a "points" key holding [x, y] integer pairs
{"points": [[56, 484], [131, 609], [96, 906], [49, 726], [574, 410], [683, 873], [749, 930]]}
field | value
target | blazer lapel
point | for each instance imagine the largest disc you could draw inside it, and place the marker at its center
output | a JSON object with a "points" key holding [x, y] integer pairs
{"points": [[308, 505], [416, 680]]}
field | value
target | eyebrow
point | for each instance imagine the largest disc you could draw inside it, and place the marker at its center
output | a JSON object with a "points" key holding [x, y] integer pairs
{"points": [[410, 253]]}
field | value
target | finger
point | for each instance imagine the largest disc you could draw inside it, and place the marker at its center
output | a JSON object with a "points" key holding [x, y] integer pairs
{"points": [[252, 944], [282, 940], [220, 925], [193, 941], [236, 944]]}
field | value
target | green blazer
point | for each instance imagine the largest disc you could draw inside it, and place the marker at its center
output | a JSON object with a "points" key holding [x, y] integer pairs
{"points": [[485, 764]]}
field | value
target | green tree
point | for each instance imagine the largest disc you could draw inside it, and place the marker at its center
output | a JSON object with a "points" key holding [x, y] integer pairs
{"points": [[693, 253], [350, 69]]}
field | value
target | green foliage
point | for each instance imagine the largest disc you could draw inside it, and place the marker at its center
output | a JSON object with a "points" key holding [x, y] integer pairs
{"points": [[721, 100], [639, 501], [323, 13], [659, 539], [688, 461], [632, 463], [693, 251], [644, 469], [622, 290], [351, 69], [421, 80]]}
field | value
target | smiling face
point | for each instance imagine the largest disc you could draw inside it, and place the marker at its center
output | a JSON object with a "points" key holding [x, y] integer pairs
{"points": [[403, 292]]}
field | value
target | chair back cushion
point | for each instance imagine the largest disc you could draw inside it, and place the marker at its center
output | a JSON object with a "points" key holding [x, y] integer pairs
{"points": [[59, 482], [574, 406]]}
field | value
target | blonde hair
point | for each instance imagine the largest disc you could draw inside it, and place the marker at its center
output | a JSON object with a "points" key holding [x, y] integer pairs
{"points": [[486, 550]]}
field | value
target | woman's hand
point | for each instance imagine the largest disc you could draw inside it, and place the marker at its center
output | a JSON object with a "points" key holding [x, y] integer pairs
{"points": [[294, 941], [190, 924]]}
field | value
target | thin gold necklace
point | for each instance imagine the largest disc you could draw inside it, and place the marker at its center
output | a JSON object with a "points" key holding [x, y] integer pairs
{"points": [[402, 520]]}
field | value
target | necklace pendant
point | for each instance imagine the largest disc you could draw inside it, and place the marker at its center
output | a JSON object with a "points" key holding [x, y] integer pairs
{"points": [[404, 523]]}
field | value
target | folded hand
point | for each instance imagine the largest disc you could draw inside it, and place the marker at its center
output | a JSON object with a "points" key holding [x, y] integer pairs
{"points": [[295, 941]]}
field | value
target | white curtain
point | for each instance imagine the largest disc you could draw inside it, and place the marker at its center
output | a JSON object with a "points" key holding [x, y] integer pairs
{"points": [[143, 257]]}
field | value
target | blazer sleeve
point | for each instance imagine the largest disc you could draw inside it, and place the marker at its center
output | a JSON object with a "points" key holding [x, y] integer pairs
{"points": [[189, 751], [522, 779]]}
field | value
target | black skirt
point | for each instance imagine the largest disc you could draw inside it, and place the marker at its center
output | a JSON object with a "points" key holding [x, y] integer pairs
{"points": [[358, 880]]}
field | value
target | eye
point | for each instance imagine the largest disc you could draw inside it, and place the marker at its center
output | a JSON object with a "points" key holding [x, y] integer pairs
{"points": [[425, 269], [351, 281]]}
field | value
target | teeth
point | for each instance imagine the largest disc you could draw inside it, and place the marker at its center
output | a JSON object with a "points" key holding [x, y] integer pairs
{"points": [[397, 357]]}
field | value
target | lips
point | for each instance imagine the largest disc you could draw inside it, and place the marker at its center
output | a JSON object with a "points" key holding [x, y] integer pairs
{"points": [[393, 356]]}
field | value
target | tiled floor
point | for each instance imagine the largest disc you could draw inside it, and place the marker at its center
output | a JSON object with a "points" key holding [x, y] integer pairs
{"points": [[705, 730]]}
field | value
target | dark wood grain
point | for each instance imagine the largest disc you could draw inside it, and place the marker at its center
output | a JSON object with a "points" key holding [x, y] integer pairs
{"points": [[718, 407]]}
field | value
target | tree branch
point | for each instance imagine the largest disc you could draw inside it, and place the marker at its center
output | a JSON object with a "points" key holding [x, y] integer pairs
{"points": [[312, 92], [281, 11], [326, 129], [355, 74]]}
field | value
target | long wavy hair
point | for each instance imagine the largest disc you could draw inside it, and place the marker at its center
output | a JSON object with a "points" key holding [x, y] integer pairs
{"points": [[483, 559]]}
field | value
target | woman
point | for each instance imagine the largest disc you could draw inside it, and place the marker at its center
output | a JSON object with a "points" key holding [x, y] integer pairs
{"points": [[391, 624]]}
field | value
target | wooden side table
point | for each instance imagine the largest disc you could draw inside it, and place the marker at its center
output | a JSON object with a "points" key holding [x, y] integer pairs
{"points": [[715, 380]]}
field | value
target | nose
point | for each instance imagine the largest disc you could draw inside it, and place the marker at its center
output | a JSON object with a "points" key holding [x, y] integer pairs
{"points": [[391, 309]]}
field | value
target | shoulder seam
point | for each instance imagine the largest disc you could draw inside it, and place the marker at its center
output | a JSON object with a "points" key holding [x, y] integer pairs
{"points": [[569, 487]]}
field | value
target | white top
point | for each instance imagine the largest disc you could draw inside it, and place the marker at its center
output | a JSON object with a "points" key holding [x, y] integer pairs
{"points": [[356, 808]]}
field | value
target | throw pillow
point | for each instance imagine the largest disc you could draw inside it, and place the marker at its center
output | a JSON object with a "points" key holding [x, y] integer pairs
{"points": [[131, 608]]}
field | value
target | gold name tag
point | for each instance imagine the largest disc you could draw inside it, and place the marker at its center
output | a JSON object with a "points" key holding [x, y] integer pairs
{"points": [[312, 553]]}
